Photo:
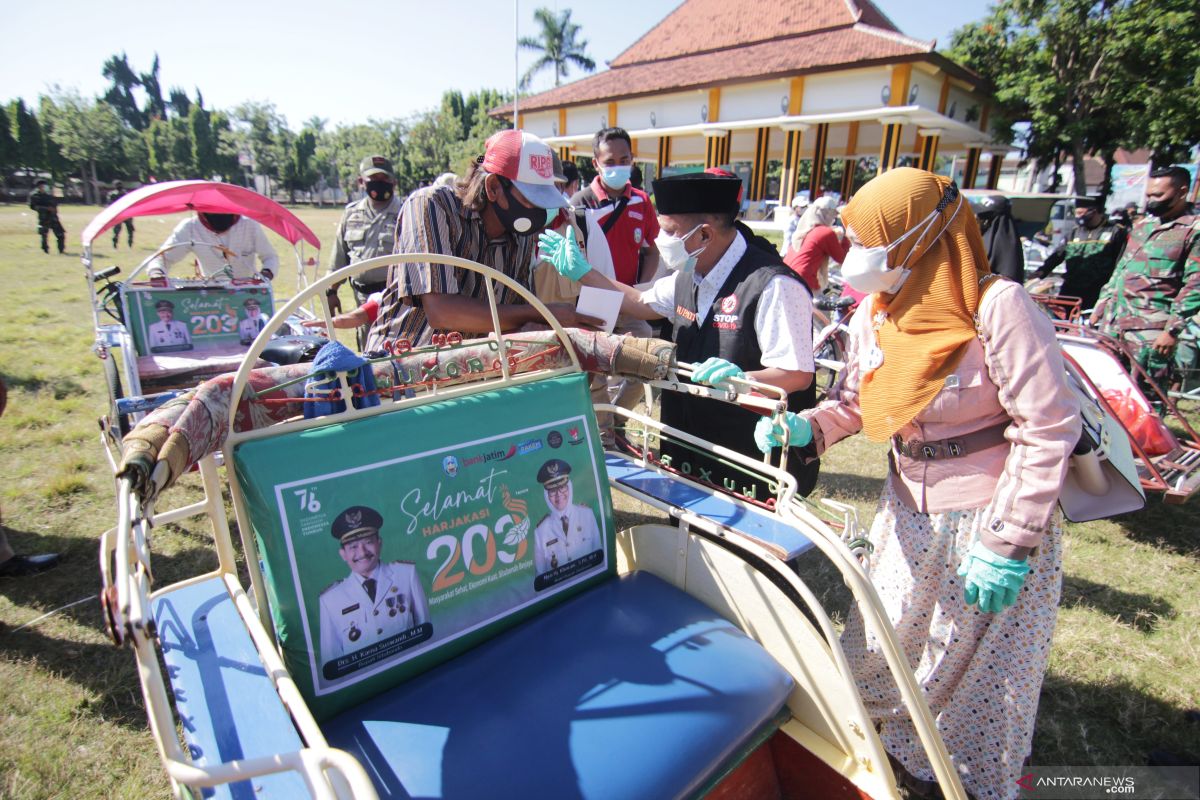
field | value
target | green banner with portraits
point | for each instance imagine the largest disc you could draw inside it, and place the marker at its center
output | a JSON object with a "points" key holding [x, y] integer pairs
{"points": [[394, 542], [183, 320]]}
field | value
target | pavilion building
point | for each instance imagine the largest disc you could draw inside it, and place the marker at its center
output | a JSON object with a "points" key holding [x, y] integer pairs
{"points": [[815, 95]]}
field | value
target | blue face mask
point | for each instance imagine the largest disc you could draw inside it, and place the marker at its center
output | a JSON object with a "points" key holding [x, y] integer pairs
{"points": [[616, 177]]}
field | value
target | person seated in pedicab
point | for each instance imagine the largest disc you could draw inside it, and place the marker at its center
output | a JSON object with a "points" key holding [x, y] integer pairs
{"points": [[225, 245], [168, 334], [375, 601], [959, 371], [814, 243], [569, 531], [733, 305], [492, 216]]}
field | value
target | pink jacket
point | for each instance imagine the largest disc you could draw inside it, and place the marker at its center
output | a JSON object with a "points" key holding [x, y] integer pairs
{"points": [[1018, 378]]}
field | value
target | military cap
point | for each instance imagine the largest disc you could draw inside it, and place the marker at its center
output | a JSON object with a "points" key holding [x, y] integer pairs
{"points": [[374, 164], [1090, 202], [356, 522], [161, 304], [697, 193], [554, 473], [250, 301]]}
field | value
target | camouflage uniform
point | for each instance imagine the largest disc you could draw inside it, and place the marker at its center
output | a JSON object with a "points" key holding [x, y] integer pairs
{"points": [[1090, 255], [46, 206], [116, 194], [1155, 288]]}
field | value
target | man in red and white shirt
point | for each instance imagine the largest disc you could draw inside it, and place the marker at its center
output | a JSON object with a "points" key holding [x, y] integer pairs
{"points": [[619, 221], [619, 225]]}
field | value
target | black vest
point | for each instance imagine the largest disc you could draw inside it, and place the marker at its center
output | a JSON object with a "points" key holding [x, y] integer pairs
{"points": [[728, 332]]}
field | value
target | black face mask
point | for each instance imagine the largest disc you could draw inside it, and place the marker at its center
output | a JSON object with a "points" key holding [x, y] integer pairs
{"points": [[380, 191], [517, 219], [1158, 207], [219, 223]]}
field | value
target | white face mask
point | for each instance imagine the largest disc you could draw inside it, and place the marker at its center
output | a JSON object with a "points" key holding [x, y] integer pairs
{"points": [[673, 251], [866, 268]]}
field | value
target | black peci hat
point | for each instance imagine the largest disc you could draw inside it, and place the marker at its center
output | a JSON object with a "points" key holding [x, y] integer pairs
{"points": [[697, 193]]}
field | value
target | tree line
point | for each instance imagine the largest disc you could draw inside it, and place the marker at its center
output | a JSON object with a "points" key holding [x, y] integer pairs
{"points": [[135, 132], [1091, 76]]}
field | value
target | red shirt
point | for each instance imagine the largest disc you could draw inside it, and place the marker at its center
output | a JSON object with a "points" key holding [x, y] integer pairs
{"points": [[636, 227], [821, 241]]}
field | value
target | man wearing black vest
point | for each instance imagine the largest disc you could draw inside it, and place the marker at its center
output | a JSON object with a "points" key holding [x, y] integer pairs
{"points": [[732, 304]]}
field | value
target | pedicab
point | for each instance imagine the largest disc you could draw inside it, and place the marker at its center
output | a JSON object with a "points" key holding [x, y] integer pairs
{"points": [[216, 319], [490, 652]]}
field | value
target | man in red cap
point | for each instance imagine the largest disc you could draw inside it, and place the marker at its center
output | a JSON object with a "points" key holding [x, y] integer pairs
{"points": [[492, 216]]}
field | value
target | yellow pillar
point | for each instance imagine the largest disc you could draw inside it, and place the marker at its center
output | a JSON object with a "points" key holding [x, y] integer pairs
{"points": [[850, 165], [711, 154], [758, 172], [791, 167], [817, 174], [994, 170], [929, 148], [971, 170], [664, 154], [612, 115], [889, 151], [564, 153], [562, 122]]}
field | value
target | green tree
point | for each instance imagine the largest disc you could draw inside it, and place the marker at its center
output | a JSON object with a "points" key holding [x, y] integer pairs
{"points": [[155, 107], [259, 129], [558, 45], [90, 134], [299, 172], [180, 104], [55, 162], [31, 148], [203, 142], [122, 81], [1089, 77], [8, 149]]}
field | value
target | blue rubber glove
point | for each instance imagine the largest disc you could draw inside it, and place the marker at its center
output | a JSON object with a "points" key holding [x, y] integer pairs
{"points": [[991, 579], [563, 252], [768, 433], [717, 372]]}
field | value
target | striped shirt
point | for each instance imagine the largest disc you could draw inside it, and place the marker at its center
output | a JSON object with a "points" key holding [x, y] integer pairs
{"points": [[434, 220]]}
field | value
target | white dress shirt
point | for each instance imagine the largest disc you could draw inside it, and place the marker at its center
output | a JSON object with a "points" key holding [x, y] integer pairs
{"points": [[245, 240], [783, 323]]}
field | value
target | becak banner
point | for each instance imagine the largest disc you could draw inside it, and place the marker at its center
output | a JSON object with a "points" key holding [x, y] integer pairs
{"points": [[181, 320], [393, 542]]}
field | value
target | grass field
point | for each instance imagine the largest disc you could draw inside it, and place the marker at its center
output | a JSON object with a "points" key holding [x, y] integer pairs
{"points": [[1125, 665]]}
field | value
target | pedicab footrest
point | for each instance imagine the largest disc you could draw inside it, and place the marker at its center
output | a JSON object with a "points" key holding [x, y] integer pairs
{"points": [[761, 526], [226, 702], [630, 689]]}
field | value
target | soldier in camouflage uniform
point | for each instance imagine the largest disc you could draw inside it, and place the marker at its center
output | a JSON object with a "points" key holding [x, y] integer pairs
{"points": [[1155, 290], [46, 205], [367, 229], [1090, 250], [118, 191]]}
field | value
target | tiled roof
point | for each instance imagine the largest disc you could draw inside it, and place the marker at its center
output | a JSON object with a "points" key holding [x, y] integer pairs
{"points": [[852, 44]]}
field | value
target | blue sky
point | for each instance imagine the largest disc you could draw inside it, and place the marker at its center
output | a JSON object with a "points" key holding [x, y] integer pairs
{"points": [[345, 62]]}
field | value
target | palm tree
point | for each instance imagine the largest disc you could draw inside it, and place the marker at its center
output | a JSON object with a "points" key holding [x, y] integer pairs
{"points": [[557, 44]]}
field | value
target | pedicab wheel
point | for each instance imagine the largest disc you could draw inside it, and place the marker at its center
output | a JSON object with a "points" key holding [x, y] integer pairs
{"points": [[112, 376]]}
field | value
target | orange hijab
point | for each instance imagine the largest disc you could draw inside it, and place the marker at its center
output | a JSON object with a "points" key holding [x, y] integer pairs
{"points": [[931, 320]]}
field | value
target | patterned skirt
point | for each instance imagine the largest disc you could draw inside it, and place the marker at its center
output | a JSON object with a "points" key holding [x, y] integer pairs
{"points": [[981, 673]]}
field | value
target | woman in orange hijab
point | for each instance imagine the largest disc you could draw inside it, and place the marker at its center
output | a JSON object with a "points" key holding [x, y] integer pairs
{"points": [[960, 373]]}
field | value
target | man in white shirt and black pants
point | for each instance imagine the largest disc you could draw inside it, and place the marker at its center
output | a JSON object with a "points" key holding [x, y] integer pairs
{"points": [[732, 304]]}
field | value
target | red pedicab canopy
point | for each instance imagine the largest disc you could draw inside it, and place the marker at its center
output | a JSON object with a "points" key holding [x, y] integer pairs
{"points": [[173, 197]]}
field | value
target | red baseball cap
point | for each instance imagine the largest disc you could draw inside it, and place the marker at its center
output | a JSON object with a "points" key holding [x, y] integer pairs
{"points": [[528, 162]]}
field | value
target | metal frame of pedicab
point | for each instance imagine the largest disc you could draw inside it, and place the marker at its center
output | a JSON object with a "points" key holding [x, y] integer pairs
{"points": [[1177, 478], [174, 197], [847, 742]]}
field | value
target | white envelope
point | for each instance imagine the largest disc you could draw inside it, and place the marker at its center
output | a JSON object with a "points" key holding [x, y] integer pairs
{"points": [[603, 304]]}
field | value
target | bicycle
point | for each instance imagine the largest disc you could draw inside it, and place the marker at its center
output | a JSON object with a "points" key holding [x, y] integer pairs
{"points": [[831, 340]]}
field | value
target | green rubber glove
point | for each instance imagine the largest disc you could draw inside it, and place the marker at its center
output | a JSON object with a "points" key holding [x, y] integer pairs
{"points": [[990, 579], [768, 433], [717, 372], [563, 252]]}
